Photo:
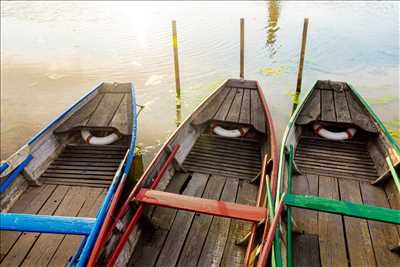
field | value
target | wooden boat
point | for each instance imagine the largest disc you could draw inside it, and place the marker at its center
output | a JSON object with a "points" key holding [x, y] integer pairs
{"points": [[196, 199], [59, 185], [338, 166]]}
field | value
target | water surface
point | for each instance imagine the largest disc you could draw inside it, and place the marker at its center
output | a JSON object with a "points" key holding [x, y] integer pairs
{"points": [[54, 52]]}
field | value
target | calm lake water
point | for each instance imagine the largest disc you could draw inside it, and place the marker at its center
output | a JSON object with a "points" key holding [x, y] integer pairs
{"points": [[54, 52]]}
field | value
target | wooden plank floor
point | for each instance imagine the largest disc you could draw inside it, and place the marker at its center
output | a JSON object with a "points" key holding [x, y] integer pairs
{"points": [[34, 249], [85, 165], [348, 159], [74, 184], [225, 156], [182, 238], [342, 240]]}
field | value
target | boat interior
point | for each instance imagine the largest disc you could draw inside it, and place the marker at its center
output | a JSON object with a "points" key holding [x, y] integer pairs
{"points": [[67, 176], [206, 166], [352, 170]]}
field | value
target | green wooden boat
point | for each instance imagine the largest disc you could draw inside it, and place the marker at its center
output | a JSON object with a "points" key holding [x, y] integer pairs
{"points": [[338, 168]]}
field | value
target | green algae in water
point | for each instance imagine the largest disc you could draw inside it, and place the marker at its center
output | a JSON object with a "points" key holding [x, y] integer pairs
{"points": [[393, 126], [270, 71], [393, 123], [294, 97], [380, 100], [395, 133]]}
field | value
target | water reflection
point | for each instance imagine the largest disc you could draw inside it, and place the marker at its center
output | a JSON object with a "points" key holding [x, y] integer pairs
{"points": [[272, 26], [68, 47]]}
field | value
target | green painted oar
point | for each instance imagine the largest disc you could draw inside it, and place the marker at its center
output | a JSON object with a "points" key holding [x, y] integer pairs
{"points": [[394, 173], [346, 208]]}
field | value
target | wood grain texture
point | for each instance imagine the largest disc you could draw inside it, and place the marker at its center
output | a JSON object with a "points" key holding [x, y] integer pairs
{"points": [[383, 235], [358, 239], [46, 245], [245, 108], [224, 156], [30, 202], [80, 117], [200, 227], [305, 220], [327, 106], [69, 245], [234, 254], [312, 109], [393, 197], [234, 111], [335, 158], [225, 106], [105, 111], [122, 119], [358, 114], [341, 107], [211, 254], [211, 109], [306, 250], [150, 245], [331, 234], [26, 241], [183, 220], [257, 114]]}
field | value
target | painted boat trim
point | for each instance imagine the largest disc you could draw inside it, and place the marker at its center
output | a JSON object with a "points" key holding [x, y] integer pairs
{"points": [[14, 174], [65, 112], [46, 224], [377, 119], [346, 208], [5, 166]]}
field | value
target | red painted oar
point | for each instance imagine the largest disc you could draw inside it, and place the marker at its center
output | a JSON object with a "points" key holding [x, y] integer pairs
{"points": [[139, 210], [260, 198], [103, 231]]}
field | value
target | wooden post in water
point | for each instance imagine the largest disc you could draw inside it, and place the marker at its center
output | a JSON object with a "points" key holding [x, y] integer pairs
{"points": [[301, 63], [177, 78], [242, 48]]}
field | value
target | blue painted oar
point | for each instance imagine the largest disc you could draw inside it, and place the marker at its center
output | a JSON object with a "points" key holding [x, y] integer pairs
{"points": [[46, 224]]}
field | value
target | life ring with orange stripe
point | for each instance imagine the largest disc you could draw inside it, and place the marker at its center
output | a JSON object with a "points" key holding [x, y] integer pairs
{"points": [[218, 130], [94, 140], [344, 135]]}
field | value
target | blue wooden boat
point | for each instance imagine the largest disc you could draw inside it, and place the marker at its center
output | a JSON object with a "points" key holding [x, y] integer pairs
{"points": [[57, 189]]}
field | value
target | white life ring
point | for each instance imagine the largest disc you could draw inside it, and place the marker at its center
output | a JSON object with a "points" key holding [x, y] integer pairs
{"points": [[94, 140], [345, 135], [230, 133]]}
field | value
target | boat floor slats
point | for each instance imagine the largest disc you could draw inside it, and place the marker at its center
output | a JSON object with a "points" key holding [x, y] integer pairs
{"points": [[224, 156], [96, 147], [183, 238], [34, 249], [334, 240], [84, 165], [335, 158]]}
